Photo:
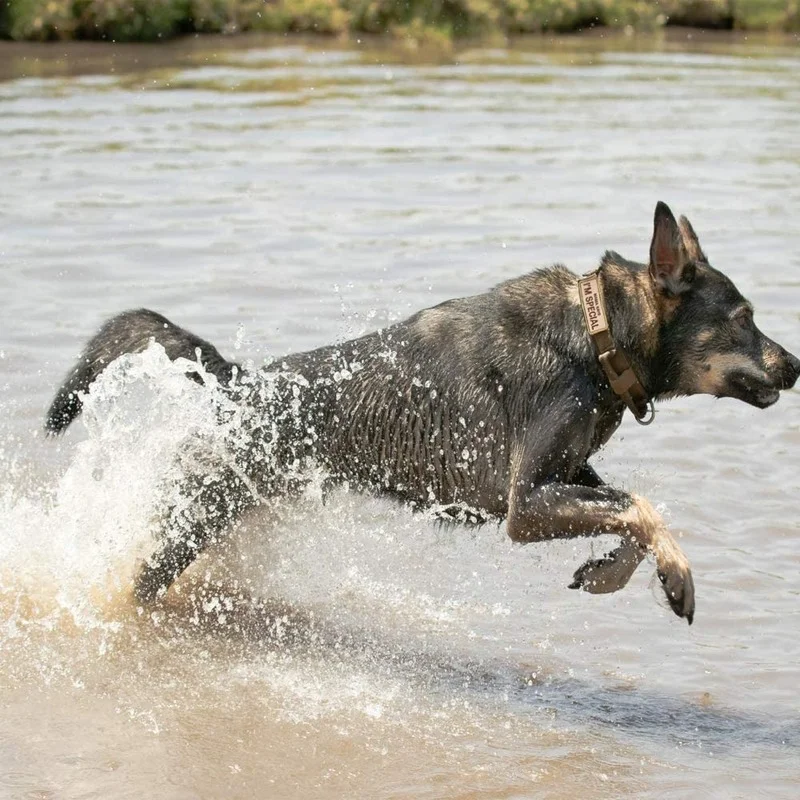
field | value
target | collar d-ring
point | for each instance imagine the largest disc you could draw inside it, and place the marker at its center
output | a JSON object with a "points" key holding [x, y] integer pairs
{"points": [[650, 414]]}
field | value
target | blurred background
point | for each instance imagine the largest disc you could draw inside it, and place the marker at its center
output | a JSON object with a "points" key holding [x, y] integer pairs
{"points": [[274, 192]]}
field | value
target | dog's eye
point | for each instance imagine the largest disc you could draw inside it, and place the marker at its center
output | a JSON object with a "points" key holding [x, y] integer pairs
{"points": [[744, 319]]}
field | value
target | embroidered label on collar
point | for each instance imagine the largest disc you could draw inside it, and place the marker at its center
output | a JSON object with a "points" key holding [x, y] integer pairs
{"points": [[592, 303]]}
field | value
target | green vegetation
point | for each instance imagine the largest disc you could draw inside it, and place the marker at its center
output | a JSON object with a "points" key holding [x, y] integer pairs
{"points": [[419, 20]]}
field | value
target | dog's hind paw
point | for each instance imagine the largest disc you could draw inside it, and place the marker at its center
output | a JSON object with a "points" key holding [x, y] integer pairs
{"points": [[611, 573]]}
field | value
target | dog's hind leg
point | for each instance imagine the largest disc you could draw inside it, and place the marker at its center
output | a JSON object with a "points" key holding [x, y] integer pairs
{"points": [[210, 505]]}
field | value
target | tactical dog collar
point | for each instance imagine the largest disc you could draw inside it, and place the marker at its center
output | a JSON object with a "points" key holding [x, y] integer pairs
{"points": [[615, 363]]}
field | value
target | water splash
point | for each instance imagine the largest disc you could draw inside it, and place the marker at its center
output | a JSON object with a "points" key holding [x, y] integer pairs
{"points": [[69, 549]]}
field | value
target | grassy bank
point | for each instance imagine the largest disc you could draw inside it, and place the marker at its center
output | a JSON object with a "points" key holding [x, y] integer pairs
{"points": [[148, 20]]}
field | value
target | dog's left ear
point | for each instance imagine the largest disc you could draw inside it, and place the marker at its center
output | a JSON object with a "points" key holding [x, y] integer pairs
{"points": [[671, 267]]}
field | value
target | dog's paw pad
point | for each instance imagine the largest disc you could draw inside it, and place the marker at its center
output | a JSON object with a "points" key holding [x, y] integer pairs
{"points": [[608, 574]]}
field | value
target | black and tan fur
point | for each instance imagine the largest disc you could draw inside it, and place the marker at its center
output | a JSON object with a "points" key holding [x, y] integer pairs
{"points": [[484, 407]]}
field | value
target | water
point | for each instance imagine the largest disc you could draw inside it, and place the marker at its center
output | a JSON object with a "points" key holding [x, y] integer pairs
{"points": [[275, 197]]}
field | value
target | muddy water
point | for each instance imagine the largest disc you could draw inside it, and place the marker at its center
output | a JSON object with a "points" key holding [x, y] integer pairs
{"points": [[274, 198]]}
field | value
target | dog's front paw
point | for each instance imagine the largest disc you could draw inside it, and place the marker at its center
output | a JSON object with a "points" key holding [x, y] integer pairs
{"points": [[611, 573], [676, 578]]}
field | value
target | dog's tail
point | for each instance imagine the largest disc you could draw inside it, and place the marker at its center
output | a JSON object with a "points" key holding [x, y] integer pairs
{"points": [[129, 332]]}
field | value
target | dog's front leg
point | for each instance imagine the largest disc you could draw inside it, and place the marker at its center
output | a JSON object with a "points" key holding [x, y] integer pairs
{"points": [[586, 476], [613, 571], [560, 511]]}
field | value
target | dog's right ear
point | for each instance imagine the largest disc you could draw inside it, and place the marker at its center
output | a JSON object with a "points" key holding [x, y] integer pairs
{"points": [[670, 266], [691, 242]]}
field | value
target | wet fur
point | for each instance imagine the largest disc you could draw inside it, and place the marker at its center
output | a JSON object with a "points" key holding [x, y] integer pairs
{"points": [[485, 407]]}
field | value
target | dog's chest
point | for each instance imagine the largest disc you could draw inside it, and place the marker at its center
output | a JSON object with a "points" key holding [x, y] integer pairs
{"points": [[607, 423]]}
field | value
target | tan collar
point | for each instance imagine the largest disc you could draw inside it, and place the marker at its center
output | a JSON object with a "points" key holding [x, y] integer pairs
{"points": [[615, 363]]}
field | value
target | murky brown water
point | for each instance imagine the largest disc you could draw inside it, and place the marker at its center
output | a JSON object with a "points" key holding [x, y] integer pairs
{"points": [[274, 198]]}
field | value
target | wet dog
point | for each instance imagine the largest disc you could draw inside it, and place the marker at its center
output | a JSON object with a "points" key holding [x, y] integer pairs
{"points": [[484, 407]]}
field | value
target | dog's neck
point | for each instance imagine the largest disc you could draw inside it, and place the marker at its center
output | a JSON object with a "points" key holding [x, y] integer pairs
{"points": [[634, 317]]}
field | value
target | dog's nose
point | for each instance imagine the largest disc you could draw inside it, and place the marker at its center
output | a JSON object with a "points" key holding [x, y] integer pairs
{"points": [[792, 371]]}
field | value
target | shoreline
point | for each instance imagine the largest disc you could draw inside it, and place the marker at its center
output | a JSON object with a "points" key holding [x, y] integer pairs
{"points": [[77, 57], [427, 22]]}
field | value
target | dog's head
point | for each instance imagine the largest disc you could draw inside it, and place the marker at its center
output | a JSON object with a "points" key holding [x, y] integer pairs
{"points": [[708, 335]]}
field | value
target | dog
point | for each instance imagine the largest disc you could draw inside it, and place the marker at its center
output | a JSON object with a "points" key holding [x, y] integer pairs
{"points": [[481, 408]]}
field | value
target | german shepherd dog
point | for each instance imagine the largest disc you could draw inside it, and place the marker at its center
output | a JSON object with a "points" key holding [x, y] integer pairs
{"points": [[481, 408]]}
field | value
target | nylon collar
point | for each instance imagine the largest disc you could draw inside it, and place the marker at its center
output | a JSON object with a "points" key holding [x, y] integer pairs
{"points": [[615, 364]]}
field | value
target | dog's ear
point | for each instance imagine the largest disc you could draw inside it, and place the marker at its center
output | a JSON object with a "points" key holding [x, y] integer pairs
{"points": [[691, 242], [671, 268]]}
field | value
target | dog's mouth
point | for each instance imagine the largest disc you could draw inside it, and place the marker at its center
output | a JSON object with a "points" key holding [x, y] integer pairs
{"points": [[766, 398], [753, 390]]}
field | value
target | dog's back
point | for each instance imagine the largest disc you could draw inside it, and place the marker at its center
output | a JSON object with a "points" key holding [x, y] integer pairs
{"points": [[425, 410]]}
